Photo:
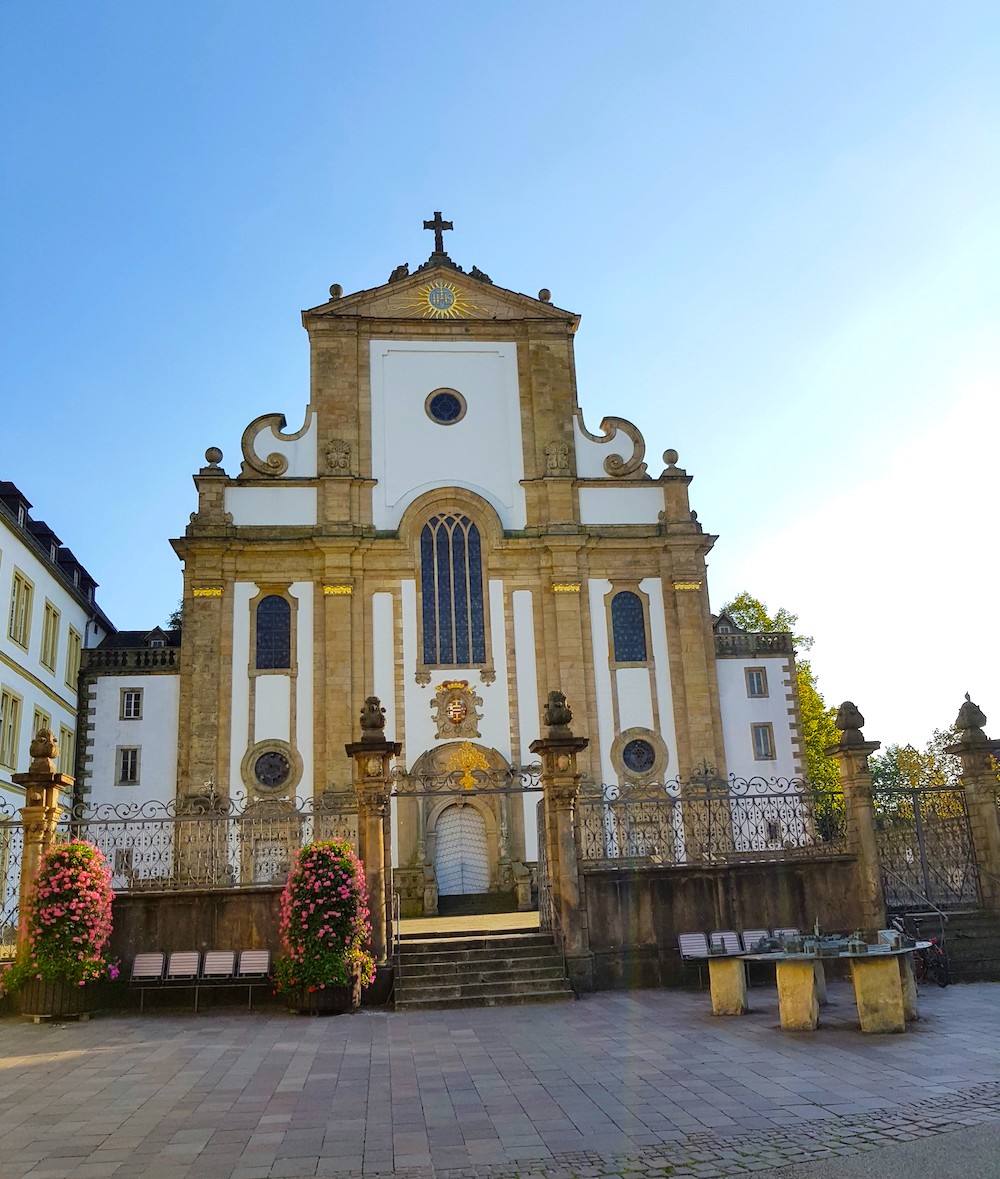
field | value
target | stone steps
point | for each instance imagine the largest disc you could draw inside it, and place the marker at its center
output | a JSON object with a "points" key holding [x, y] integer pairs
{"points": [[478, 970]]}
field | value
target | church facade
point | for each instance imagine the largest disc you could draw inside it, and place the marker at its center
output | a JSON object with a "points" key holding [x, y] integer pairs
{"points": [[444, 531]]}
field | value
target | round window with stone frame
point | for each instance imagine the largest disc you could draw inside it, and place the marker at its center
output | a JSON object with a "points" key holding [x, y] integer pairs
{"points": [[445, 406], [271, 767], [639, 754]]}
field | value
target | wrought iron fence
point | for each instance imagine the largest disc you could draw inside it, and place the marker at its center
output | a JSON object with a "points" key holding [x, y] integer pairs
{"points": [[11, 850], [708, 820], [925, 843]]}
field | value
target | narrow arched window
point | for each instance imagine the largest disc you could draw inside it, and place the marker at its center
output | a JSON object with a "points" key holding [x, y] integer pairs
{"points": [[274, 633], [628, 627], [451, 575]]}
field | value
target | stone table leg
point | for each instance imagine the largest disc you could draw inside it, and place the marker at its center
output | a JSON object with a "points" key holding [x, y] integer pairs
{"points": [[728, 980], [820, 972], [798, 1000], [878, 993], [908, 984]]}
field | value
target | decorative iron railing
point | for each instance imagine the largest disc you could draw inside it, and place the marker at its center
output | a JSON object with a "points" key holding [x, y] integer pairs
{"points": [[11, 850], [471, 778], [208, 841], [925, 845], [708, 820]]}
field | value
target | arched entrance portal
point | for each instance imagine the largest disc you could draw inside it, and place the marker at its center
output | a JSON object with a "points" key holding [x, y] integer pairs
{"points": [[461, 854], [460, 832]]}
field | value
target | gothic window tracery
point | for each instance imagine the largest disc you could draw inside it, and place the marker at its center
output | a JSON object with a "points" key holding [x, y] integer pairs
{"points": [[274, 634], [451, 576]]}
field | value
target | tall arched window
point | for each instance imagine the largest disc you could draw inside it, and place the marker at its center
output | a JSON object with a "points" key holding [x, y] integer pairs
{"points": [[451, 574], [628, 627], [274, 633]]}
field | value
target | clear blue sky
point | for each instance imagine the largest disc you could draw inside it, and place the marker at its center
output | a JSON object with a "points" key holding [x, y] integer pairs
{"points": [[779, 222]]}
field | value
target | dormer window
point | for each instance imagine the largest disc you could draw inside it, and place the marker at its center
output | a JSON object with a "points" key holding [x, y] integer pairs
{"points": [[157, 643], [53, 550], [21, 514]]}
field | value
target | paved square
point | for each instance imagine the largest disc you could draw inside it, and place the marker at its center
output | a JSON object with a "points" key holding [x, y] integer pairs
{"points": [[638, 1081]]}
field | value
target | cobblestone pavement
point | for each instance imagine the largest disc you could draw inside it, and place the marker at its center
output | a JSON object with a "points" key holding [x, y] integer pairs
{"points": [[645, 1082]]}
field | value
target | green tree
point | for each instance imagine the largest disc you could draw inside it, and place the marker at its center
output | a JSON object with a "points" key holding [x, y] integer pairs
{"points": [[819, 728], [176, 619]]}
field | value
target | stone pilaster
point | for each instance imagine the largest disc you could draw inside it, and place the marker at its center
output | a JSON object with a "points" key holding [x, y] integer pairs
{"points": [[39, 815], [560, 790], [372, 756], [979, 781], [852, 755]]}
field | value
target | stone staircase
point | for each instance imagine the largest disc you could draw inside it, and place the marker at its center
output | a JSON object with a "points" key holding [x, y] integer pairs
{"points": [[478, 969]]}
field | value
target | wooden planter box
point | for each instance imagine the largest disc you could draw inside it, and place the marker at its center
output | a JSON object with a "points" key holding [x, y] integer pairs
{"points": [[42, 999], [333, 1000]]}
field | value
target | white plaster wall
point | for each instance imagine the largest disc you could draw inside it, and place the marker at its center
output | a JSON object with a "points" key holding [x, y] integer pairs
{"points": [[616, 504], [384, 685], [154, 733], [411, 454], [635, 698], [243, 591], [272, 505], [302, 685], [494, 728], [652, 587], [598, 588], [739, 712], [300, 453], [384, 660], [528, 712], [272, 711]]}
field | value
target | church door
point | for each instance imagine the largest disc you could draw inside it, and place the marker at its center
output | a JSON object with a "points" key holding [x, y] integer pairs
{"points": [[461, 860]]}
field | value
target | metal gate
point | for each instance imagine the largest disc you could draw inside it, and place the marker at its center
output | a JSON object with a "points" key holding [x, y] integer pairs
{"points": [[926, 849]]}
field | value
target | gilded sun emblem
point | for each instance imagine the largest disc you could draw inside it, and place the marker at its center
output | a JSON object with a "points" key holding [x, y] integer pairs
{"points": [[441, 300]]}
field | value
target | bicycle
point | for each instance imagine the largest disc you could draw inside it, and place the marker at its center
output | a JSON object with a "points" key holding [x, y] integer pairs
{"points": [[930, 964]]}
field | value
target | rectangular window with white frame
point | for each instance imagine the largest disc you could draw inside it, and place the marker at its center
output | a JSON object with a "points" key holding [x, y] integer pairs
{"points": [[74, 654], [756, 678], [127, 758], [21, 596], [131, 704], [50, 636], [67, 751], [763, 742], [10, 727]]}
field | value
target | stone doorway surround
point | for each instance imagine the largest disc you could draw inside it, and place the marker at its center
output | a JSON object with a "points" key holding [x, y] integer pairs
{"points": [[452, 777]]}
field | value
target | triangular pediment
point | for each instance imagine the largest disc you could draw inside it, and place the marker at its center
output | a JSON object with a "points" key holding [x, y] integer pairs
{"points": [[442, 293]]}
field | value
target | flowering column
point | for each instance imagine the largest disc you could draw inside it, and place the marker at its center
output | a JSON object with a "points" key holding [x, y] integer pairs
{"points": [[372, 755], [40, 814]]}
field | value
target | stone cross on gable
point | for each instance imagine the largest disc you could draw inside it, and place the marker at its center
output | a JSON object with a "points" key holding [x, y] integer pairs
{"points": [[439, 226]]}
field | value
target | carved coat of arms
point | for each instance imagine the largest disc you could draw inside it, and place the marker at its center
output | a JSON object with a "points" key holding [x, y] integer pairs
{"points": [[456, 710]]}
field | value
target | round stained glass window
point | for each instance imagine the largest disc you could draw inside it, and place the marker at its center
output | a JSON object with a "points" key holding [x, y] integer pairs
{"points": [[639, 756], [445, 406], [272, 769]]}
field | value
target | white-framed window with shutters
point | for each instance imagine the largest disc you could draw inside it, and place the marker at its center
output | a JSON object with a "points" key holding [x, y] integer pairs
{"points": [[131, 704], [10, 727], [50, 636], [67, 751], [74, 654], [40, 720], [21, 595], [762, 736], [127, 762]]}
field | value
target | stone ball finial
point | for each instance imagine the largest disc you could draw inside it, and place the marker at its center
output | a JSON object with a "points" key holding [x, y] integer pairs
{"points": [[44, 750], [545, 295], [557, 713], [670, 457], [213, 456], [336, 291], [971, 720], [850, 722], [372, 719]]}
